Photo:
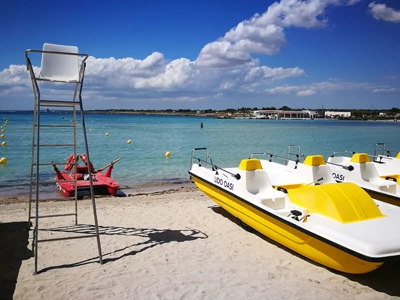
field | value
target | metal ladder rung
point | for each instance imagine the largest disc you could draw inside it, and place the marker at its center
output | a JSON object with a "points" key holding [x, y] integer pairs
{"points": [[54, 145], [58, 103], [67, 238], [56, 199], [54, 216], [56, 163], [56, 125], [51, 181]]}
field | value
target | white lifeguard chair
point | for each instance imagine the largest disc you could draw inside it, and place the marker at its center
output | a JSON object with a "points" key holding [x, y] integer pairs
{"points": [[60, 65]]}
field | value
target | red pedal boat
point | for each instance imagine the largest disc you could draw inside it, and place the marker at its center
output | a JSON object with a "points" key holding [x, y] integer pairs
{"points": [[103, 184]]}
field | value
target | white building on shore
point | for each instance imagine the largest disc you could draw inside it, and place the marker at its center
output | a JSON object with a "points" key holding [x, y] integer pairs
{"points": [[284, 114], [337, 114]]}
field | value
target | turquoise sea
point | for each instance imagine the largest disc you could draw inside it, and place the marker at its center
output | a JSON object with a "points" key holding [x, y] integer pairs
{"points": [[144, 164]]}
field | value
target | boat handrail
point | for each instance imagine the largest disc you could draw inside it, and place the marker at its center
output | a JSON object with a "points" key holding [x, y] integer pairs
{"points": [[286, 159], [198, 149], [215, 167], [380, 150], [289, 153], [342, 151], [377, 158], [265, 153], [381, 153]]}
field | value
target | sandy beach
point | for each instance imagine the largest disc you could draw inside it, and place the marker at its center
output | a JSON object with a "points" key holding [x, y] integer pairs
{"points": [[165, 245]]}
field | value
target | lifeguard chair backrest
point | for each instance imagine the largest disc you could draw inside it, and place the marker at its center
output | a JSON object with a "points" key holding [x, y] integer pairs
{"points": [[60, 67]]}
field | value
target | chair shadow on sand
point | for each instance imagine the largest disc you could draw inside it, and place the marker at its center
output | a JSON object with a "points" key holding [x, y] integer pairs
{"points": [[14, 240], [385, 279], [155, 237]]}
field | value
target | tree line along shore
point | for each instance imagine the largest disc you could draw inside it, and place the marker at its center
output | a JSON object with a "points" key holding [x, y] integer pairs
{"points": [[245, 112]]}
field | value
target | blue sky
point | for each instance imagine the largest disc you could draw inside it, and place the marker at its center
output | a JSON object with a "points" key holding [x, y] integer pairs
{"points": [[211, 54]]}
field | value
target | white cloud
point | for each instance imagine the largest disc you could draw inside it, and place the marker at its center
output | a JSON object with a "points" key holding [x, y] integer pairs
{"points": [[382, 12], [323, 87], [15, 75], [259, 74], [118, 73], [250, 38], [264, 34], [181, 79], [305, 93], [284, 89], [385, 90], [392, 77], [221, 54], [128, 77], [183, 74]]}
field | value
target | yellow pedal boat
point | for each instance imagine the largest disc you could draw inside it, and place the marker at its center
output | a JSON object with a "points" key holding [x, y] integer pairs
{"points": [[388, 166], [379, 179], [337, 225]]}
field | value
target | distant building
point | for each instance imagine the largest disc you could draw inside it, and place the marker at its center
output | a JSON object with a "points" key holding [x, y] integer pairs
{"points": [[337, 114], [284, 114], [266, 114]]}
